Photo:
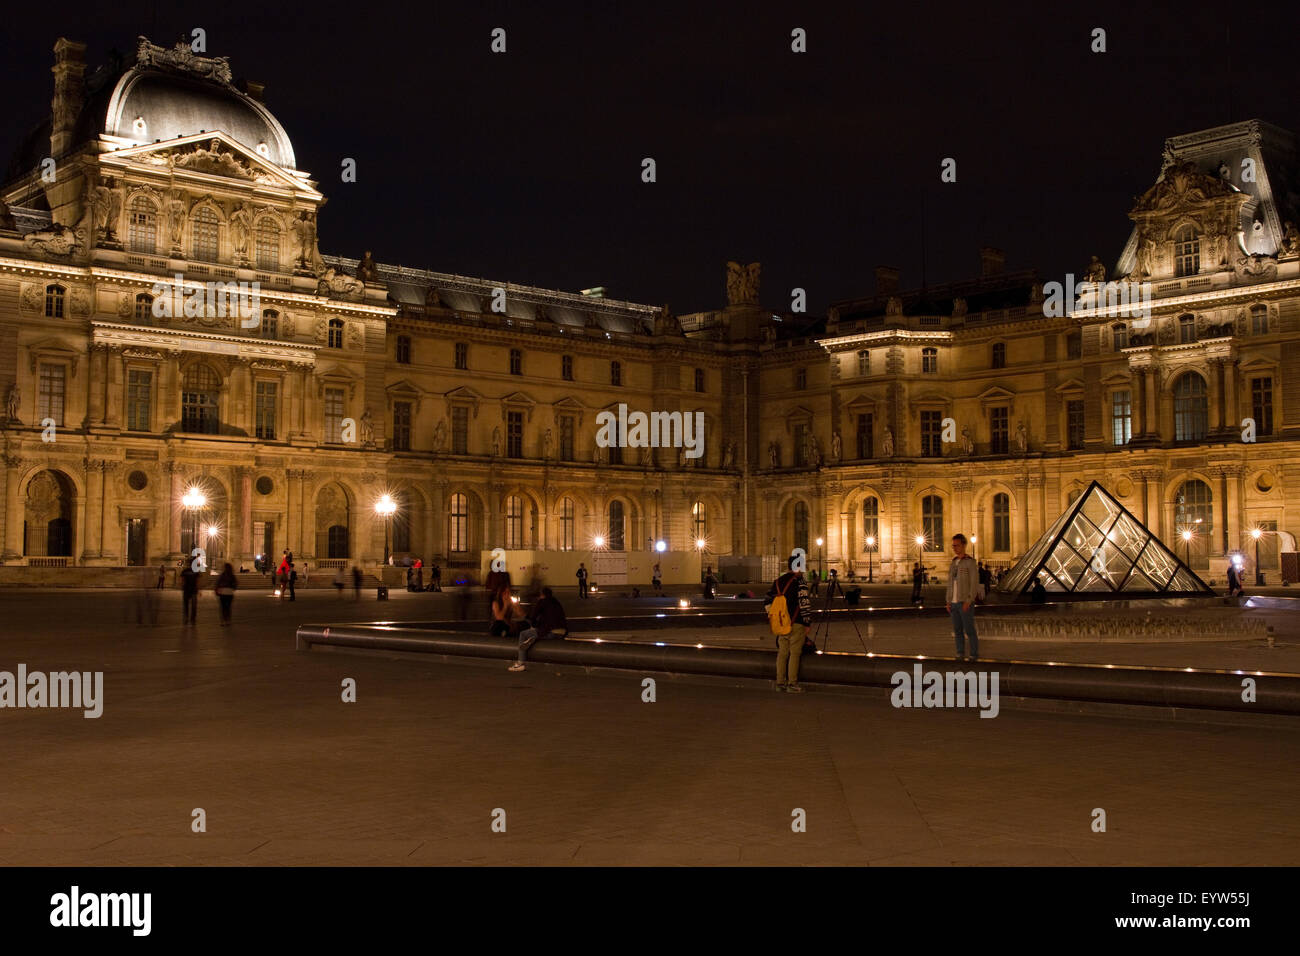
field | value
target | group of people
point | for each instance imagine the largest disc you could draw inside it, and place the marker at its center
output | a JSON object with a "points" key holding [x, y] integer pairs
{"points": [[415, 576], [545, 620]]}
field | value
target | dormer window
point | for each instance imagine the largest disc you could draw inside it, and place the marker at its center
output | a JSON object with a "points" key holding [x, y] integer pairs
{"points": [[1187, 251]]}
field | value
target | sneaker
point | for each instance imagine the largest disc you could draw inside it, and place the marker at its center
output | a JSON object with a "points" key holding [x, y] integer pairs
{"points": [[516, 666], [780, 687], [794, 689]]}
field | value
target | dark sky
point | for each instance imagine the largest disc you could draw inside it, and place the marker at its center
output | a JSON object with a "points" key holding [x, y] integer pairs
{"points": [[526, 166]]}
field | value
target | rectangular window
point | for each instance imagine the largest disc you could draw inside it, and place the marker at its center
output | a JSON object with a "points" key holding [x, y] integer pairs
{"points": [[800, 445], [566, 367], [864, 362], [1074, 423], [53, 382], [459, 430], [1121, 417], [932, 434], [866, 440], [334, 415], [266, 395], [699, 379], [801, 378], [514, 434], [1259, 320], [462, 355], [139, 400], [1120, 336], [930, 361], [401, 426], [1000, 430], [567, 525], [1261, 404], [404, 349], [1073, 346], [516, 362], [566, 437]]}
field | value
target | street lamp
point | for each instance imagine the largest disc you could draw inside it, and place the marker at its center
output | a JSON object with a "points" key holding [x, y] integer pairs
{"points": [[821, 573], [973, 539], [1187, 539], [920, 543], [193, 500], [385, 507], [871, 546], [1257, 533]]}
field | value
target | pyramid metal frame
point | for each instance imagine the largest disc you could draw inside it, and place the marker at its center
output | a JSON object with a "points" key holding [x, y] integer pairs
{"points": [[1112, 554]]}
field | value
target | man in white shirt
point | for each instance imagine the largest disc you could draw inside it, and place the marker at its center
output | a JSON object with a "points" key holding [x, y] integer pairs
{"points": [[963, 588]]}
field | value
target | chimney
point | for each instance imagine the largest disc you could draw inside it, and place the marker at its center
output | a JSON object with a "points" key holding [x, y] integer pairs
{"points": [[69, 93], [992, 261], [886, 280]]}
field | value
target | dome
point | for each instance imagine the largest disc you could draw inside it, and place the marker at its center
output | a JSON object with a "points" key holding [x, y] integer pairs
{"points": [[149, 105]]}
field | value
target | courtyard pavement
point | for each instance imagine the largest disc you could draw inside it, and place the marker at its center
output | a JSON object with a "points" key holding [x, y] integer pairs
{"points": [[235, 722]]}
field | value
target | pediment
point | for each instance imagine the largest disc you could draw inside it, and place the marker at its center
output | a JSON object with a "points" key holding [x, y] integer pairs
{"points": [[797, 414], [209, 154], [405, 387], [1183, 185], [1070, 385], [995, 394], [863, 402], [464, 395]]}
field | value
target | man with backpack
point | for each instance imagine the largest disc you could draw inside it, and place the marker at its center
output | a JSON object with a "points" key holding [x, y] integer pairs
{"points": [[789, 612]]}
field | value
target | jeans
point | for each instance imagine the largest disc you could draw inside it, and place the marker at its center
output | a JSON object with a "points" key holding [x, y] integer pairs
{"points": [[965, 621], [189, 608], [789, 648]]}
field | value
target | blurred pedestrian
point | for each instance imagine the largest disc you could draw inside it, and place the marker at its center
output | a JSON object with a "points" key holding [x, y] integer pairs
{"points": [[435, 577], [227, 584], [356, 583], [292, 580], [581, 575], [340, 581], [162, 574], [189, 594]]}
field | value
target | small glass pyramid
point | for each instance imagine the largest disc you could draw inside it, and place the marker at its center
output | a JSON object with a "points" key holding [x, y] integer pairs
{"points": [[1097, 547]]}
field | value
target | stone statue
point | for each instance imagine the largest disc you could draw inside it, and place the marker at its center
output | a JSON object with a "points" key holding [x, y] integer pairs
{"points": [[1096, 271], [496, 442], [14, 400], [813, 451], [837, 447], [547, 441], [332, 282], [440, 435], [742, 283], [1146, 257], [666, 323], [304, 229], [1290, 240], [967, 446], [367, 271], [108, 206], [241, 224], [367, 428], [729, 455], [887, 444], [1022, 438], [774, 454], [176, 218], [7, 217], [431, 298]]}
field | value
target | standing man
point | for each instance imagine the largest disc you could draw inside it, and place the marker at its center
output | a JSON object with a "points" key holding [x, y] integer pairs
{"points": [[435, 577], [582, 580], [963, 589], [789, 647], [189, 594], [292, 578], [162, 575], [918, 576]]}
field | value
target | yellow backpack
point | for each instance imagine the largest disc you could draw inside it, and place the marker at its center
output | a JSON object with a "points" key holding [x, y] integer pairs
{"points": [[778, 613]]}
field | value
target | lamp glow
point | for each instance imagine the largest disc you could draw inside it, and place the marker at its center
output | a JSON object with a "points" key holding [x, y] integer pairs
{"points": [[661, 546]]}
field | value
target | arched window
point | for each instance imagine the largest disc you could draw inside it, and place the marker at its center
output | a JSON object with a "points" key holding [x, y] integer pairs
{"points": [[144, 307], [1001, 522], [54, 296], [335, 340], [458, 524], [1187, 251], [568, 520], [615, 373], [200, 390], [401, 522], [999, 355], [203, 235], [801, 526], [1186, 329], [268, 244], [1119, 336], [930, 361], [337, 541], [617, 527], [1191, 408], [699, 522], [142, 226], [1195, 503], [270, 324], [932, 522], [514, 522], [871, 524]]}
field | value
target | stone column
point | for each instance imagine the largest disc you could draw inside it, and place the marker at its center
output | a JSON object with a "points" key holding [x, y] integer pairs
{"points": [[1231, 420], [1020, 529], [13, 514], [1154, 502], [1215, 377], [1152, 389], [91, 539], [115, 393], [98, 380], [242, 545], [174, 516], [1232, 517], [109, 532]]}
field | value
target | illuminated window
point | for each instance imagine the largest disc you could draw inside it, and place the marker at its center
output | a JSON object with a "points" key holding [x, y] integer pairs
{"points": [[335, 340], [458, 524], [930, 361], [334, 415], [568, 524], [1191, 408], [54, 296], [200, 389], [1121, 416], [267, 244], [864, 362], [617, 527], [265, 405], [1001, 522], [514, 522], [53, 382], [1187, 251], [203, 235], [932, 522], [139, 399], [142, 226]]}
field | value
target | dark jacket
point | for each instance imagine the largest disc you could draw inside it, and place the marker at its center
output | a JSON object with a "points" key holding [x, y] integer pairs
{"points": [[548, 616], [189, 580], [227, 581], [797, 599]]}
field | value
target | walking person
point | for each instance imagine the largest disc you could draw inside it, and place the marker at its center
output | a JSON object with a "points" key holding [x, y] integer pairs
{"points": [[963, 591], [918, 577], [419, 575], [227, 584], [356, 583], [581, 575], [793, 589], [162, 574], [189, 594], [292, 579], [435, 577], [656, 579], [1234, 580], [340, 582], [547, 621], [814, 583]]}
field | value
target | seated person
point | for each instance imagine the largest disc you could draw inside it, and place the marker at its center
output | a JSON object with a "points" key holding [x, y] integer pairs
{"points": [[503, 614], [548, 621]]}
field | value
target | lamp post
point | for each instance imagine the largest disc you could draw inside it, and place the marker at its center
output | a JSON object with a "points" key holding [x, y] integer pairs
{"points": [[821, 573], [193, 500], [1187, 539], [871, 544], [385, 507], [1257, 533], [973, 539]]}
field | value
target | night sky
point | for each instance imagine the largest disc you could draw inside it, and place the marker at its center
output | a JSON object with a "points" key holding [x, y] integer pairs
{"points": [[526, 166]]}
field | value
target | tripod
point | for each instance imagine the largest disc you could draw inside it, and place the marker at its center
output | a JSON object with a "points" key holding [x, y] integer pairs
{"points": [[823, 625]]}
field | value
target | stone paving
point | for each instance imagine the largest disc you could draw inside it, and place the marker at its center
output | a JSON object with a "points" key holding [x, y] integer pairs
{"points": [[238, 723]]}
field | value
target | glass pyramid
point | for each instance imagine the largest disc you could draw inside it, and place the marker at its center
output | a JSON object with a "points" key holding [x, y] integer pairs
{"points": [[1097, 547]]}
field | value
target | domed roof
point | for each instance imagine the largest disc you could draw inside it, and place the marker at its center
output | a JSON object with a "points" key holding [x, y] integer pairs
{"points": [[149, 105]]}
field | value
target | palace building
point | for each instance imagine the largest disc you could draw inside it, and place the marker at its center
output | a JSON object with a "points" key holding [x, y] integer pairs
{"points": [[137, 428]]}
